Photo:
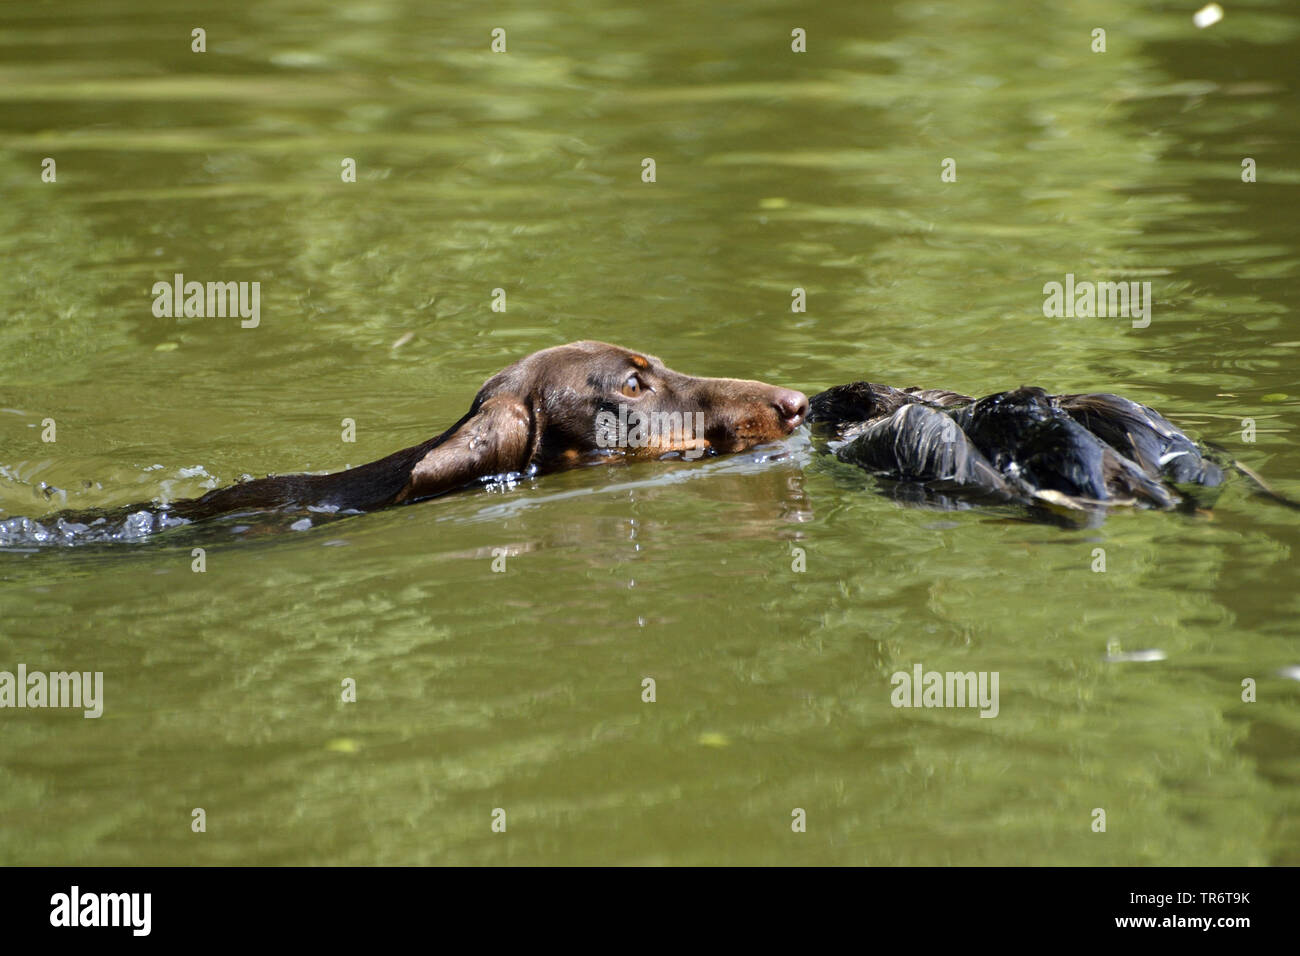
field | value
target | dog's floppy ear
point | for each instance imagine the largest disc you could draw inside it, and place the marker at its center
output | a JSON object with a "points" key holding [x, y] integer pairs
{"points": [[495, 439]]}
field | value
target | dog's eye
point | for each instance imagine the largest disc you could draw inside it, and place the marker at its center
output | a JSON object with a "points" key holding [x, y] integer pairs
{"points": [[632, 387]]}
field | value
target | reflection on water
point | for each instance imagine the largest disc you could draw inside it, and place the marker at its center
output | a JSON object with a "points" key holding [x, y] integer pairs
{"points": [[521, 688]]}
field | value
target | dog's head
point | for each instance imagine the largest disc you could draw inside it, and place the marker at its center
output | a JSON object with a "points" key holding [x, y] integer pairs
{"points": [[590, 400]]}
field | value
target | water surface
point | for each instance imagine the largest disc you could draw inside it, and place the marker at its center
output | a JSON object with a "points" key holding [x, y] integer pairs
{"points": [[522, 690]]}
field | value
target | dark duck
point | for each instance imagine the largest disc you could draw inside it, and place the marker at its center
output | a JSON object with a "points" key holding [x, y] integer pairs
{"points": [[1057, 454]]}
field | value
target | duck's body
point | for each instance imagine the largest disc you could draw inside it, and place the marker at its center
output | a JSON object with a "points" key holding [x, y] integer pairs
{"points": [[1078, 452]]}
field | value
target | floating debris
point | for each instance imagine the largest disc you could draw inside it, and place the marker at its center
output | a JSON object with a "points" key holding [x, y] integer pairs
{"points": [[1207, 16], [1114, 655]]}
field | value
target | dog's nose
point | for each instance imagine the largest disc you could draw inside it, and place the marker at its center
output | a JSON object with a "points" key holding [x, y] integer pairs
{"points": [[792, 406]]}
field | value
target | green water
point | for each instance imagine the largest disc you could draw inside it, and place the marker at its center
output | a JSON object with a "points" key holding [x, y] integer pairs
{"points": [[522, 690]]}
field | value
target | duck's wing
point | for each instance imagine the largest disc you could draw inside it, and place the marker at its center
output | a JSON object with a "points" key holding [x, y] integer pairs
{"points": [[1061, 455], [939, 396], [1144, 436], [919, 443], [1028, 438]]}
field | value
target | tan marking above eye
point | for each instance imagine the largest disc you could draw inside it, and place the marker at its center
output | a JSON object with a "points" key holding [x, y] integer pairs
{"points": [[640, 362], [632, 387]]}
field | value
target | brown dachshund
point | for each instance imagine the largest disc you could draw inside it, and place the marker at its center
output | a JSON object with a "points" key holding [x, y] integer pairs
{"points": [[562, 406]]}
